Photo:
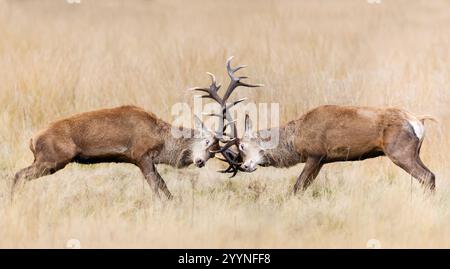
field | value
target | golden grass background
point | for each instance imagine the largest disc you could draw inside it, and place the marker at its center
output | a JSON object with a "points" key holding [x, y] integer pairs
{"points": [[57, 59]]}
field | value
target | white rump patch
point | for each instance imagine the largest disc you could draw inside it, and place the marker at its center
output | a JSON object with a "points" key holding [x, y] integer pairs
{"points": [[418, 128]]}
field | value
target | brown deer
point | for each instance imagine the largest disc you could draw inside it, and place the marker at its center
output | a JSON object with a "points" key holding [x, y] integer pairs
{"points": [[125, 134], [129, 134], [332, 133]]}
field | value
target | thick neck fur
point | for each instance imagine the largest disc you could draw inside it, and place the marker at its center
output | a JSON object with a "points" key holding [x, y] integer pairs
{"points": [[284, 154], [176, 151]]}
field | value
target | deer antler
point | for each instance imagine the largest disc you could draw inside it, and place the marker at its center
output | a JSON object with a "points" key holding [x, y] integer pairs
{"points": [[228, 154]]}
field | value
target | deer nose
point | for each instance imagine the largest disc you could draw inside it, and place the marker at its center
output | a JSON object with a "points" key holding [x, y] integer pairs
{"points": [[200, 163]]}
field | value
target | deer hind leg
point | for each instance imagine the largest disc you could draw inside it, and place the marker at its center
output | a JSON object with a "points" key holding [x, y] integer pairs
{"points": [[429, 177], [49, 158], [36, 170], [414, 167], [310, 171], [404, 150]]}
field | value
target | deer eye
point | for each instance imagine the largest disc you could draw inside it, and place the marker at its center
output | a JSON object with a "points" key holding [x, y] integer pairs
{"points": [[207, 142], [241, 146]]}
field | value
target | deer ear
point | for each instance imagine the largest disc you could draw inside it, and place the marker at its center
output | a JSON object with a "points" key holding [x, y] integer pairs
{"points": [[248, 126]]}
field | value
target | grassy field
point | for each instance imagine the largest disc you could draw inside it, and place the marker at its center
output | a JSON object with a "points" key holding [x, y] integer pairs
{"points": [[57, 59]]}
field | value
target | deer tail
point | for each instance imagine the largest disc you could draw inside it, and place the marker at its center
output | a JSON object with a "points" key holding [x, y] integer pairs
{"points": [[427, 117]]}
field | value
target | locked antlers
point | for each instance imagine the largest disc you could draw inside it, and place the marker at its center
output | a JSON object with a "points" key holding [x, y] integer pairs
{"points": [[225, 119]]}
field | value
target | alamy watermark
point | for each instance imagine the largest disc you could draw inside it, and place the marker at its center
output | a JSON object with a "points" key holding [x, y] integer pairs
{"points": [[73, 244], [373, 243]]}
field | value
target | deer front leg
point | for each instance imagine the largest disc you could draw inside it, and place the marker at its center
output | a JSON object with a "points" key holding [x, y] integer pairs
{"points": [[153, 178], [162, 185], [309, 173]]}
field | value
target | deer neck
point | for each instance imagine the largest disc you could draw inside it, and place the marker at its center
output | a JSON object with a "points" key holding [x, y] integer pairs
{"points": [[283, 154], [177, 151]]}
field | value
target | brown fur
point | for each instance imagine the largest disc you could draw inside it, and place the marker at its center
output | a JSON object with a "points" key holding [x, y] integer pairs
{"points": [[346, 133], [123, 134]]}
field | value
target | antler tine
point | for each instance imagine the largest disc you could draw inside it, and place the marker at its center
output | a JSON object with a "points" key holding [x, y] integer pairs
{"points": [[198, 89], [228, 170], [235, 103], [248, 85], [235, 81], [213, 81], [211, 92]]}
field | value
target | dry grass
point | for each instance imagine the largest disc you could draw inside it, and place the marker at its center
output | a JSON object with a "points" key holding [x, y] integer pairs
{"points": [[57, 59]]}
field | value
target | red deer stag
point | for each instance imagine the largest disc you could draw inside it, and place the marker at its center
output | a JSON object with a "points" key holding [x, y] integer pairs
{"points": [[332, 133], [124, 134]]}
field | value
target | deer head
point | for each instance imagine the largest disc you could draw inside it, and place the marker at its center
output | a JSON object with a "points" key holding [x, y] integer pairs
{"points": [[204, 143], [250, 148]]}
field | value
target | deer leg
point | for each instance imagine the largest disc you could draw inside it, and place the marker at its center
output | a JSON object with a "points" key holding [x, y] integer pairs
{"points": [[310, 171], [36, 170], [153, 178], [430, 178], [404, 152], [162, 186], [20, 178], [413, 167], [150, 176]]}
